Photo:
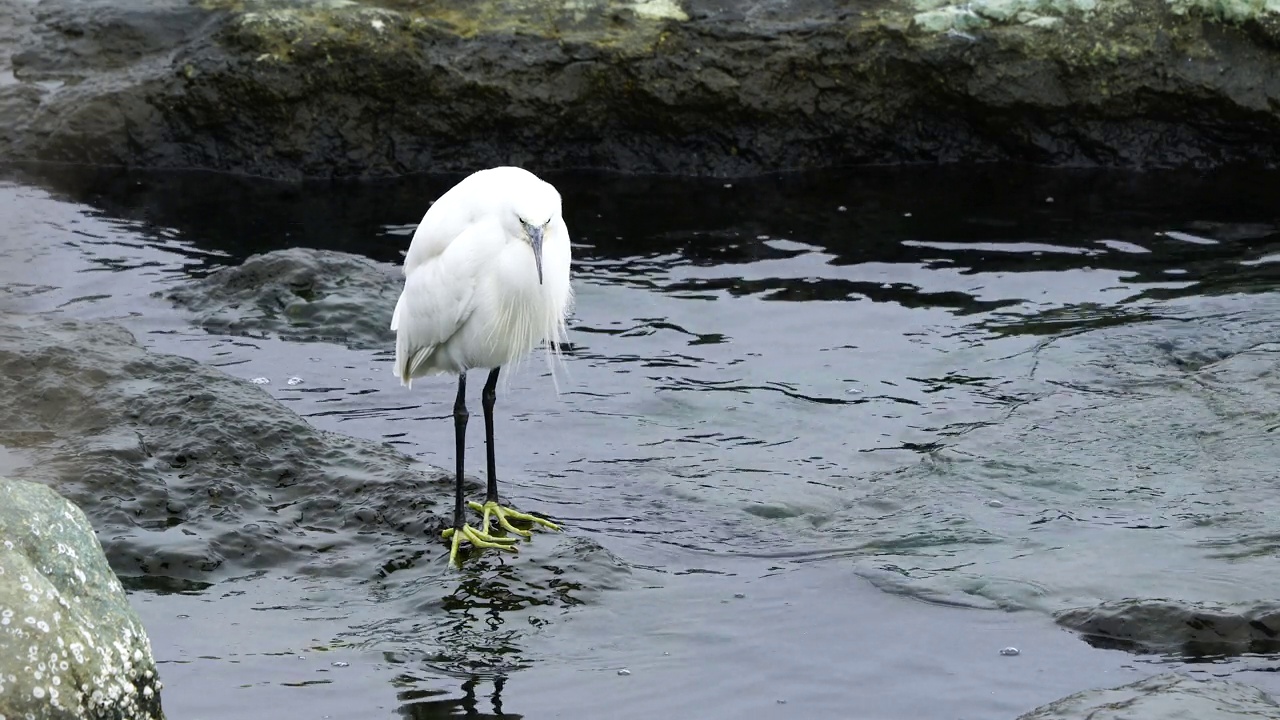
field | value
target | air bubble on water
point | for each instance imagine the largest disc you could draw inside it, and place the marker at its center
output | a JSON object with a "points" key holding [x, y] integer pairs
{"points": [[295, 380], [260, 381], [995, 504], [1009, 651]]}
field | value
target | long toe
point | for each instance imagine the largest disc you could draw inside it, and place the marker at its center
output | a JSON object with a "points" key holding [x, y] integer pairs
{"points": [[505, 515], [484, 540], [477, 539]]}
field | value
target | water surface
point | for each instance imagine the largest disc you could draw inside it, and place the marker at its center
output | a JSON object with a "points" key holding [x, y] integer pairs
{"points": [[852, 433]]}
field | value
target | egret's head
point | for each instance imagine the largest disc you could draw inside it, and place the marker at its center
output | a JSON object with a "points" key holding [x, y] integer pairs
{"points": [[534, 209]]}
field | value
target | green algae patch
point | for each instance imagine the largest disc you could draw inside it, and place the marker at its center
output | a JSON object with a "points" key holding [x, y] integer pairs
{"points": [[279, 28], [940, 16], [1235, 11], [280, 31], [953, 16]]}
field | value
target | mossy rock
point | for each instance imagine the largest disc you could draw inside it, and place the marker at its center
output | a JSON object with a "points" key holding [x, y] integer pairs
{"points": [[291, 89]]}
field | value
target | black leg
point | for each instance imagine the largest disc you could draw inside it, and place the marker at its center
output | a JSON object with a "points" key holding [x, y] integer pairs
{"points": [[460, 438], [487, 399]]}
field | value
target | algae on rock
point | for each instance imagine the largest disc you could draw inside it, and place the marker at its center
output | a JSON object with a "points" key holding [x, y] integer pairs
{"points": [[290, 89]]}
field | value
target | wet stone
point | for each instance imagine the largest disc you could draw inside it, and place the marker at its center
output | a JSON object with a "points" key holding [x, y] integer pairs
{"points": [[298, 294], [287, 88], [70, 644], [194, 477], [191, 474], [1164, 697], [1187, 629]]}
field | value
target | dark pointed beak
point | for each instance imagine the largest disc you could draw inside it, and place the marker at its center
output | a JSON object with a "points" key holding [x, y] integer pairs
{"points": [[535, 241]]}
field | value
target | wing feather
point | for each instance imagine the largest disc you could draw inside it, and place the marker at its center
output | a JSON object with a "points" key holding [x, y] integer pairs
{"points": [[438, 298], [446, 220]]}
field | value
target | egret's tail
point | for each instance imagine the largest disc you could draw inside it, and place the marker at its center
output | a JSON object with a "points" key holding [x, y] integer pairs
{"points": [[408, 358]]}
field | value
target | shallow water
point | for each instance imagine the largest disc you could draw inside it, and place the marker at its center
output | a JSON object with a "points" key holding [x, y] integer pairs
{"points": [[904, 415]]}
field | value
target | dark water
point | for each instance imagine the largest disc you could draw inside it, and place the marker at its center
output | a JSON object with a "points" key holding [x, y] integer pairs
{"points": [[852, 433]]}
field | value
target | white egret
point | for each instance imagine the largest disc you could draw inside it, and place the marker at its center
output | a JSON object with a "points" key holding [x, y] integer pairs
{"points": [[486, 281]]}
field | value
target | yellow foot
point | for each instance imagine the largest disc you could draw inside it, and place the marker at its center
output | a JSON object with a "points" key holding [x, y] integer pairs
{"points": [[505, 515], [478, 538]]}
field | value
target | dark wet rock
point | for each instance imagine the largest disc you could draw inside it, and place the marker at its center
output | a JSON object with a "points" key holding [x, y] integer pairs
{"points": [[379, 87], [1189, 629], [191, 474], [1164, 697], [70, 644], [298, 294]]}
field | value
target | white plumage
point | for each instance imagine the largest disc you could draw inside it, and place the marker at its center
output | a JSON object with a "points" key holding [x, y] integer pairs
{"points": [[472, 296], [486, 281]]}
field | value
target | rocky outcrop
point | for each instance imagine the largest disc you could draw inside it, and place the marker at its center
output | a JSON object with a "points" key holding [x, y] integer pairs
{"points": [[1164, 697], [298, 294], [1188, 629], [289, 88], [70, 644], [191, 475]]}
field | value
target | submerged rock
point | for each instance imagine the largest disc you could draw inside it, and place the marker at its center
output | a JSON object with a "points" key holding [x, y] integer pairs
{"points": [[194, 478], [381, 87], [1190, 629], [1128, 460], [70, 644], [191, 474], [1163, 697], [298, 294]]}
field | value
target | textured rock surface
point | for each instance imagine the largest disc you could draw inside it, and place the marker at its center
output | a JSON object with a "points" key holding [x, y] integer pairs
{"points": [[70, 644], [298, 294], [1163, 697], [193, 476], [286, 87], [1163, 626], [190, 473]]}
